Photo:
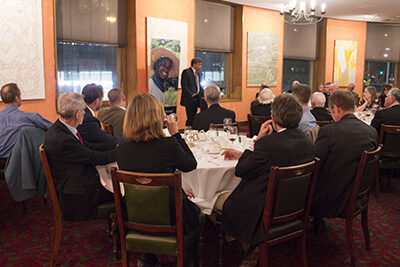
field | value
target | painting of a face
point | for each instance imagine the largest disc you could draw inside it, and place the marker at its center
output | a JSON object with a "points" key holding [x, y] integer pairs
{"points": [[163, 70]]}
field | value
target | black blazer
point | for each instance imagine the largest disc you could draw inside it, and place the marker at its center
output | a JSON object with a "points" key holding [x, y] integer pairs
{"points": [[189, 87], [339, 146], [242, 211], [261, 110], [73, 167], [389, 116], [90, 130], [214, 114], [163, 155], [321, 114]]}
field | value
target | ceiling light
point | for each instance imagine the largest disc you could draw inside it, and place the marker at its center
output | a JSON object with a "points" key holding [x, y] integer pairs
{"points": [[385, 55], [111, 19], [298, 14]]}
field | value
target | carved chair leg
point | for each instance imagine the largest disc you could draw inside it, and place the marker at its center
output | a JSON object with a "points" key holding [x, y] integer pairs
{"points": [[115, 236], [364, 223], [302, 250], [349, 238], [263, 255]]}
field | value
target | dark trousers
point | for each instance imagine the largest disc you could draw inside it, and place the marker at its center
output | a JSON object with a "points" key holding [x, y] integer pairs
{"points": [[191, 111]]}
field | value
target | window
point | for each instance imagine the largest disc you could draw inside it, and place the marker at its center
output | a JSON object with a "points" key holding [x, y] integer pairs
{"points": [[214, 69], [79, 64], [379, 74], [296, 69]]}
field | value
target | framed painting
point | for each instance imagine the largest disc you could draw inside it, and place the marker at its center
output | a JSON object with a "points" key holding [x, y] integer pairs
{"points": [[345, 62]]}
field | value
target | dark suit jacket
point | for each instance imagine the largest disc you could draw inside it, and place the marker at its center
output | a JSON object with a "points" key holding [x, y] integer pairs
{"points": [[321, 114], [163, 155], [389, 116], [114, 116], [242, 211], [214, 114], [73, 167], [261, 110], [339, 146], [91, 131], [189, 87]]}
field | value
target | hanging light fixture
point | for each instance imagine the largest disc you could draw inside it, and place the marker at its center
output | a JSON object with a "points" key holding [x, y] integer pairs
{"points": [[297, 14]]}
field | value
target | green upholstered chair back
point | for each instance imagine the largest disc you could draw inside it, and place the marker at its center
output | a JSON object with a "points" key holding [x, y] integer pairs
{"points": [[255, 123], [288, 200], [150, 205], [367, 172], [390, 139], [291, 195]]}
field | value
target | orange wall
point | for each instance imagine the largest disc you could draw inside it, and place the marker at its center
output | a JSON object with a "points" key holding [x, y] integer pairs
{"points": [[346, 30], [180, 10], [46, 107], [265, 21]]}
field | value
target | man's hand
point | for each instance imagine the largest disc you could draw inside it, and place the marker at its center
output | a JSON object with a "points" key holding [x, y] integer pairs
{"points": [[194, 95], [172, 125], [265, 129], [231, 154], [189, 193]]}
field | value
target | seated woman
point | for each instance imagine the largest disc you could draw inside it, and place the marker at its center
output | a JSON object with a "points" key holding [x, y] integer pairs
{"points": [[370, 100], [148, 150], [263, 108]]}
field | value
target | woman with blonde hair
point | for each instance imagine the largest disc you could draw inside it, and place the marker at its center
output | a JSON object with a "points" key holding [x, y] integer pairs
{"points": [[263, 108], [148, 150], [370, 100]]}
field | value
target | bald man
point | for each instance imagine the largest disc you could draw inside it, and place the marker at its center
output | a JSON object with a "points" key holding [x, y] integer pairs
{"points": [[318, 107]]}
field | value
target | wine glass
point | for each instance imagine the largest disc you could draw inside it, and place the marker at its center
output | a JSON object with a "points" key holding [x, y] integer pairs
{"points": [[227, 124], [233, 133]]}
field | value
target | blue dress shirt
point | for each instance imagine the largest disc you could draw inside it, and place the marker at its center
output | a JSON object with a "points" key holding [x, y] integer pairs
{"points": [[307, 120], [11, 121]]}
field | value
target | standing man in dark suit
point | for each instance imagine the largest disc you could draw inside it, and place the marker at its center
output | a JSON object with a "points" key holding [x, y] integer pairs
{"points": [[339, 146], [72, 161], [192, 92], [390, 115], [215, 113], [242, 211], [90, 129]]}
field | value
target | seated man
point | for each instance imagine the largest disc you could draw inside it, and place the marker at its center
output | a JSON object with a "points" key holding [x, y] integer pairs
{"points": [[318, 107], [90, 129], [215, 113], [351, 87], [390, 115], [302, 93], [12, 119], [115, 114], [263, 107], [242, 211], [339, 146], [73, 160]]}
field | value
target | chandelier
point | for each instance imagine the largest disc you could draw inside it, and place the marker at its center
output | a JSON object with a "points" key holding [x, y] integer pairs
{"points": [[297, 14]]}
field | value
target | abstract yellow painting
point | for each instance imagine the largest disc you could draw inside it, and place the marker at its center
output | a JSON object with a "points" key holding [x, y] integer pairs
{"points": [[344, 71]]}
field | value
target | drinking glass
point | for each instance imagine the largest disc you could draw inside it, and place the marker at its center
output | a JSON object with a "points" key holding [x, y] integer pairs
{"points": [[233, 133], [227, 124]]}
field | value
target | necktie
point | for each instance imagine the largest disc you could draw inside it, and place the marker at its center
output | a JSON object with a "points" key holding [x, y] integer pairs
{"points": [[79, 136]]}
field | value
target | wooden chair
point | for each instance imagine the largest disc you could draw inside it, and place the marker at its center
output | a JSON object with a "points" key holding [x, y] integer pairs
{"points": [[108, 128], [57, 234], [287, 205], [389, 138], [358, 203], [146, 223], [104, 210], [323, 123], [255, 123]]}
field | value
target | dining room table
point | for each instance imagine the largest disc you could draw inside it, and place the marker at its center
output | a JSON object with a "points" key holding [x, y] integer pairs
{"points": [[213, 176]]}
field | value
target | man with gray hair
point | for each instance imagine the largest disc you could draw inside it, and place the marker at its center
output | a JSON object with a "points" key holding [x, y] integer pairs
{"points": [[318, 107], [114, 114], [390, 115], [351, 87], [72, 162], [302, 93], [215, 113]]}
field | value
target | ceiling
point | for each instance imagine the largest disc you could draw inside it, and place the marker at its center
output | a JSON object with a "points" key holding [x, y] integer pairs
{"points": [[387, 11]]}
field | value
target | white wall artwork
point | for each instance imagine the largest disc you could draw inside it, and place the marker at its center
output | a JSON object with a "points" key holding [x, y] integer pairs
{"points": [[262, 59], [21, 46]]}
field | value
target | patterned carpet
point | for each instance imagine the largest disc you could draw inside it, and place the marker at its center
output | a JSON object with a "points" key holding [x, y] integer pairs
{"points": [[24, 239]]}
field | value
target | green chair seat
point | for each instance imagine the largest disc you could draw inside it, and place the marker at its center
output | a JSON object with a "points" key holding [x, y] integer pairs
{"points": [[280, 230]]}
